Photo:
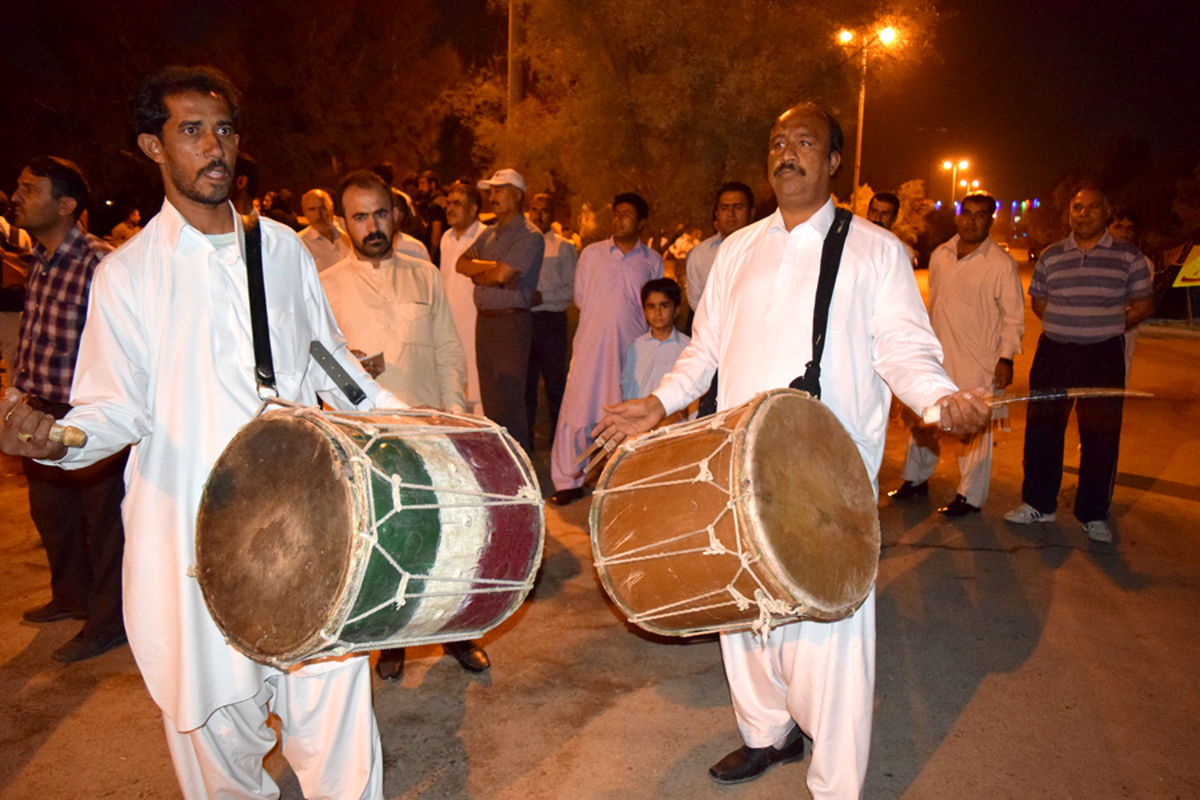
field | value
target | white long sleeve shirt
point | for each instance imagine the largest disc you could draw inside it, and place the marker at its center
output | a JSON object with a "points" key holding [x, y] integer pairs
{"points": [[166, 363], [755, 322]]}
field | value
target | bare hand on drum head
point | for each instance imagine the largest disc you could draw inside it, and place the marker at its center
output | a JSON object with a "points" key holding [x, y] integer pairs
{"points": [[627, 419], [964, 412], [24, 431]]}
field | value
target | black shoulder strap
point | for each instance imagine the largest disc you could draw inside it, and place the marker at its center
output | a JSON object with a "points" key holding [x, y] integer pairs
{"points": [[831, 258], [264, 368]]}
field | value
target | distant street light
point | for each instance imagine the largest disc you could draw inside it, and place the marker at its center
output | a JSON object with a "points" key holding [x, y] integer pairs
{"points": [[954, 167], [885, 36]]}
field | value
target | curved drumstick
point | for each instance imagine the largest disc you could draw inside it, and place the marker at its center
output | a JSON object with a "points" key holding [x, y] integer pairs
{"points": [[68, 435], [933, 414]]}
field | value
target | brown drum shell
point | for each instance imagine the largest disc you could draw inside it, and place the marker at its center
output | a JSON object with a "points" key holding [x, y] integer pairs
{"points": [[788, 491]]}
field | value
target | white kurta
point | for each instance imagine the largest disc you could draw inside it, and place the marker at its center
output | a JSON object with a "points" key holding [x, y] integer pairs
{"points": [[166, 364], [400, 309], [326, 253], [977, 309], [699, 264], [755, 322], [460, 294]]}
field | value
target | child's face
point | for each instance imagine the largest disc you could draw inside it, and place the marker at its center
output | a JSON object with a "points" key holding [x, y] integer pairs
{"points": [[659, 311]]}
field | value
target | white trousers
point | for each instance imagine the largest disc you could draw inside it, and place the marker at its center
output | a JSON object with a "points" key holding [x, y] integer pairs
{"points": [[329, 738], [974, 461], [822, 676]]}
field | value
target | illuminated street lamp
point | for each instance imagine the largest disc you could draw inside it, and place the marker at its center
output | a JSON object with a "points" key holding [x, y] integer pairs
{"points": [[885, 36], [954, 167]]}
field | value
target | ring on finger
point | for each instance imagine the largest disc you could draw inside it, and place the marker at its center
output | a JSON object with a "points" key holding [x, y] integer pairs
{"points": [[25, 437]]}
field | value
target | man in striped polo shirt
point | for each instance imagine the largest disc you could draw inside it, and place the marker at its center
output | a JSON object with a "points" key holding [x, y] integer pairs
{"points": [[1088, 289]]}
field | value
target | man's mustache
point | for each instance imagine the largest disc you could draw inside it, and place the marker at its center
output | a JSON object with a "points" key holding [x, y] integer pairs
{"points": [[215, 164], [789, 168], [374, 237]]}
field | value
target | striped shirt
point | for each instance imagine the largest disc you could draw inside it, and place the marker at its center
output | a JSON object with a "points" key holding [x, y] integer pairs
{"points": [[56, 298], [1086, 293]]}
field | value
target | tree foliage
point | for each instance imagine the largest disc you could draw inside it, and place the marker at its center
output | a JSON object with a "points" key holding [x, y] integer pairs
{"points": [[669, 99]]}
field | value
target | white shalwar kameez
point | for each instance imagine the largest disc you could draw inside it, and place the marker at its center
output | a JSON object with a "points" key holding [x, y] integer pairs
{"points": [[755, 323], [460, 294], [977, 309], [166, 364]]}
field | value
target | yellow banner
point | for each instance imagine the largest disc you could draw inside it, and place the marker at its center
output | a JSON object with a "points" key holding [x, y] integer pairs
{"points": [[1189, 273]]}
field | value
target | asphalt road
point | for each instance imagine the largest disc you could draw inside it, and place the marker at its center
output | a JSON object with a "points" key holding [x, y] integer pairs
{"points": [[1012, 661]]}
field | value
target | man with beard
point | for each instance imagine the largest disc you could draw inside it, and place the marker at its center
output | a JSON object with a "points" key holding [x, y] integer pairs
{"points": [[978, 313], [326, 242], [808, 677], [393, 312], [77, 512], [166, 364], [504, 263], [1088, 290]]}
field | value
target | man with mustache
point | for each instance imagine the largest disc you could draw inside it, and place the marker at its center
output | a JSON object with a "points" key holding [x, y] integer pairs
{"points": [[77, 513], [809, 677], [505, 263], [166, 364], [324, 238]]}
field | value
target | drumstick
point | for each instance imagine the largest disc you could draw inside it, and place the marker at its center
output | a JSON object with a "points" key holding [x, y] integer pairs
{"points": [[68, 435], [599, 451], [933, 414]]}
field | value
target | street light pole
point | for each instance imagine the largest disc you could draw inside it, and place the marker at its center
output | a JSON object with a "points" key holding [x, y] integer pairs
{"points": [[954, 167], [858, 136]]}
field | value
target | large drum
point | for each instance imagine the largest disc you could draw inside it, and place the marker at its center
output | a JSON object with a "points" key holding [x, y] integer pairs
{"points": [[325, 533], [756, 515]]}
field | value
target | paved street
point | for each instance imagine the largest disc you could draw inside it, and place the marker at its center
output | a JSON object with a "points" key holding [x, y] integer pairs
{"points": [[1013, 662]]}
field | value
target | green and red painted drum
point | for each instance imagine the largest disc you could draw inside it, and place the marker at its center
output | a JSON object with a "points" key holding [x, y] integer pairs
{"points": [[322, 533]]}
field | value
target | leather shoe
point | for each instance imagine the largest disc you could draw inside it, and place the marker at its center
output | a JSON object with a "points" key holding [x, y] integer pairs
{"points": [[959, 507], [470, 655], [52, 612], [87, 645], [747, 763], [909, 489], [390, 666], [564, 497]]}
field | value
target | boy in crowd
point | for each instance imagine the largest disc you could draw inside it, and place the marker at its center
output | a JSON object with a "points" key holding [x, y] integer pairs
{"points": [[652, 354]]}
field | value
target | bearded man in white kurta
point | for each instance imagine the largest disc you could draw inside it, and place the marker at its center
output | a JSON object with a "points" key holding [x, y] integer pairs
{"points": [[166, 364], [754, 322], [977, 308]]}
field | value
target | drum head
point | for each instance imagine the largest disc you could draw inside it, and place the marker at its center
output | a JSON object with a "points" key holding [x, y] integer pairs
{"points": [[813, 503], [274, 537]]}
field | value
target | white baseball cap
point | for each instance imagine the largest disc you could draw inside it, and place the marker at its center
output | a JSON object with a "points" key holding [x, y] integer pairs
{"points": [[504, 177]]}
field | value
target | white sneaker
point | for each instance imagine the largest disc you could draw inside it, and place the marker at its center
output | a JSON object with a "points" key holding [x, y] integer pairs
{"points": [[1025, 514], [1098, 531]]}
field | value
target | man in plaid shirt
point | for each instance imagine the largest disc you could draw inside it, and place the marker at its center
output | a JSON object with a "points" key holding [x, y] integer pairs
{"points": [[77, 514]]}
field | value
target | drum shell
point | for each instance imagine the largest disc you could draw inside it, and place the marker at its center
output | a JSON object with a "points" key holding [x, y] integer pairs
{"points": [[682, 556], [381, 529]]}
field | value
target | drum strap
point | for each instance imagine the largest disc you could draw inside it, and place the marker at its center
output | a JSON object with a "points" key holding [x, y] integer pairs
{"points": [[831, 258], [264, 367]]}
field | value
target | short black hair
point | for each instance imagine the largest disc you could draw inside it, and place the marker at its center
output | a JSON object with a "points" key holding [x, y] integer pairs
{"points": [[734, 186], [1124, 212], [837, 139], [980, 197], [150, 104], [362, 179], [665, 286], [385, 170], [889, 198], [248, 167], [66, 179], [636, 200], [470, 190]]}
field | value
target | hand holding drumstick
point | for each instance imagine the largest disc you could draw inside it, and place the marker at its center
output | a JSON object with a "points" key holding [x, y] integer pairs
{"points": [[29, 433], [621, 422]]}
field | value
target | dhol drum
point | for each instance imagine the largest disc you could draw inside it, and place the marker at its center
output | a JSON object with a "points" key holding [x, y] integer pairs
{"points": [[756, 515], [321, 533]]}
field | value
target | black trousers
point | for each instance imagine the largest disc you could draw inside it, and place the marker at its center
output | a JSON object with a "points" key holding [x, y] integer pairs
{"points": [[502, 357], [1056, 366], [548, 362], [78, 515]]}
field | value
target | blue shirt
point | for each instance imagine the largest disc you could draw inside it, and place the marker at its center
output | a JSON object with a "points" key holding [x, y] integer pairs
{"points": [[646, 362]]}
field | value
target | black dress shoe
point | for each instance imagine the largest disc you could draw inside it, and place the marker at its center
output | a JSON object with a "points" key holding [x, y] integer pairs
{"points": [[747, 763], [470, 655], [52, 612], [390, 665], [909, 489], [88, 645], [564, 497], [959, 507]]}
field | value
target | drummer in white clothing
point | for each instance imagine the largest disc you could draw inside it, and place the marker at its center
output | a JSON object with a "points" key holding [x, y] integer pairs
{"points": [[815, 678]]}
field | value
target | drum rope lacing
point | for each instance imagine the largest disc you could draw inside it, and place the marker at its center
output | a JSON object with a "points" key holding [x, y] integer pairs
{"points": [[771, 611], [374, 432]]}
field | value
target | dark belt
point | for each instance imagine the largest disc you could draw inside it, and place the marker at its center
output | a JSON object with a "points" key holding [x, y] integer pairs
{"points": [[501, 312]]}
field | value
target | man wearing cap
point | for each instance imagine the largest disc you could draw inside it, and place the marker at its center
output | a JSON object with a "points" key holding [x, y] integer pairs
{"points": [[504, 263]]}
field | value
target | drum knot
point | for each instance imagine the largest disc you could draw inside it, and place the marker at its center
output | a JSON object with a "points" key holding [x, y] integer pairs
{"points": [[402, 591]]}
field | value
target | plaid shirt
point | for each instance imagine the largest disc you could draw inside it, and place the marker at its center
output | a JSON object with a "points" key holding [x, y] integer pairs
{"points": [[56, 297]]}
